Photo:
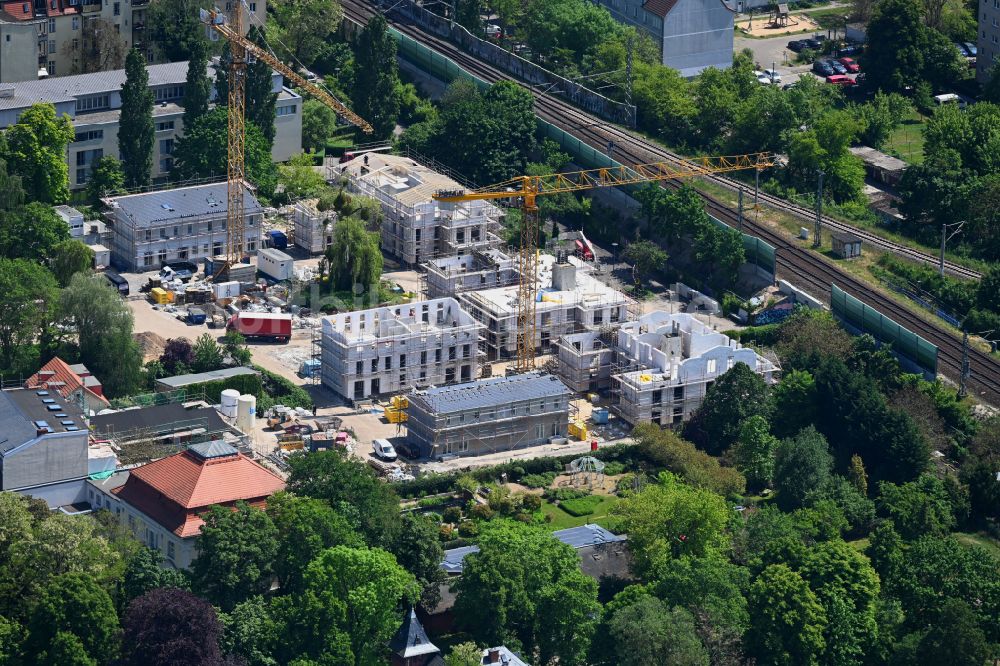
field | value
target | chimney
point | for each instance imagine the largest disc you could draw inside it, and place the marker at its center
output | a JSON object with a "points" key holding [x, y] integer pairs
{"points": [[46, 375], [493, 656]]}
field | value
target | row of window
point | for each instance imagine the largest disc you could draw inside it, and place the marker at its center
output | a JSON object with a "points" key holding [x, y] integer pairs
{"points": [[286, 110], [89, 135], [150, 537], [92, 102], [184, 252]]}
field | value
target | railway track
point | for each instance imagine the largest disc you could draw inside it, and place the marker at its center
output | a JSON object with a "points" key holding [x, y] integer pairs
{"points": [[804, 267]]}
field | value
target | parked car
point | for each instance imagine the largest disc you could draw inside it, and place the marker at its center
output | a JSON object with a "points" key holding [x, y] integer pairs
{"points": [[763, 78], [813, 43], [797, 45], [949, 98], [850, 50], [971, 48], [384, 450], [840, 80], [851, 65], [962, 49], [838, 67], [774, 75], [822, 67]]}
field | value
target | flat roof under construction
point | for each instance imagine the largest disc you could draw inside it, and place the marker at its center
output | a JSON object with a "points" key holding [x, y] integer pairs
{"points": [[490, 392]]}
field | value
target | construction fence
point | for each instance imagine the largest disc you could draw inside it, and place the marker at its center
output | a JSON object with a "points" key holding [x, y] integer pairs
{"points": [[866, 319]]}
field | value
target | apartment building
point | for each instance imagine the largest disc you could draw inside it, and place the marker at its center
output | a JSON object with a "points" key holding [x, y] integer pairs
{"points": [[389, 350], [188, 223], [570, 299], [988, 40], [93, 104], [692, 34], [415, 227], [488, 415], [657, 368], [480, 269], [43, 38]]}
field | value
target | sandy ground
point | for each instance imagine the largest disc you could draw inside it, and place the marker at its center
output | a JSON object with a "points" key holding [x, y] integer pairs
{"points": [[761, 25]]}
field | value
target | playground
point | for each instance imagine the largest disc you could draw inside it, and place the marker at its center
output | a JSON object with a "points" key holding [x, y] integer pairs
{"points": [[775, 22]]}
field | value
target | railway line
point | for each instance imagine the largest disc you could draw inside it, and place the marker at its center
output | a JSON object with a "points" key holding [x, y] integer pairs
{"points": [[800, 265]]}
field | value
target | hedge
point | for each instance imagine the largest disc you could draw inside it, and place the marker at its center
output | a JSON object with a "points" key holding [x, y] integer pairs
{"points": [[582, 506], [280, 391]]}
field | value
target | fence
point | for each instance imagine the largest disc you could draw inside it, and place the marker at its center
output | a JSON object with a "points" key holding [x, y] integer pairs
{"points": [[867, 319]]}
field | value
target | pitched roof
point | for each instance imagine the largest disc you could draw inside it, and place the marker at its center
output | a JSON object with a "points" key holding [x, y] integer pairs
{"points": [[169, 490], [489, 392], [659, 7], [65, 379], [411, 639]]}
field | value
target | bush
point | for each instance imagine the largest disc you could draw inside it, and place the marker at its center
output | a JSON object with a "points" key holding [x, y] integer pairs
{"points": [[538, 480], [582, 506], [614, 468], [531, 503], [433, 501], [452, 514], [563, 494], [482, 512], [280, 391], [446, 532], [468, 528]]}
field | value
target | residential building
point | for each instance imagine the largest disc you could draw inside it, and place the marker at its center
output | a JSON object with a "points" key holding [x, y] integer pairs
{"points": [[188, 223], [988, 39], [389, 350], [480, 269], [73, 383], [195, 379], [488, 415], [93, 104], [570, 300], [163, 502], [312, 229], [44, 440], [415, 227], [658, 368], [410, 645], [73, 219], [20, 45], [166, 425], [692, 34]]}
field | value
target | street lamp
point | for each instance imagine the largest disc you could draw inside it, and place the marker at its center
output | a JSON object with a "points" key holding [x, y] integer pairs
{"points": [[614, 249], [945, 237]]}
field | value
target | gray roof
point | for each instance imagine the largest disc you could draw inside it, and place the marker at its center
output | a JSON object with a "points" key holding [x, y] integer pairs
{"points": [[151, 208], [21, 408], [411, 639], [214, 449], [200, 377], [275, 254], [583, 536], [489, 392], [158, 419]]}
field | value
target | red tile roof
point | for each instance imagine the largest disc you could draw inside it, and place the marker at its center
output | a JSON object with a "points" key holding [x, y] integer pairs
{"points": [[174, 490], [62, 8], [659, 7], [63, 380], [16, 10]]}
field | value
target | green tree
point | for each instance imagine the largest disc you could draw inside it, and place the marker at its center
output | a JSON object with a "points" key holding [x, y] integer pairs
{"points": [[794, 398], [31, 232], [857, 475], [895, 45], [514, 589], [69, 258], [955, 638], [306, 527], [136, 132], [11, 636], [464, 654], [197, 86], [801, 464], [418, 550], [249, 631], [351, 488], [173, 28], [786, 619], [649, 632], [319, 122], [106, 179], [665, 448], [234, 346], [646, 258], [374, 94], [663, 101], [207, 354], [710, 584], [754, 450], [672, 517], [73, 604], [467, 15], [881, 116], [36, 151], [354, 257], [144, 573], [349, 608], [203, 151], [236, 551], [104, 327], [302, 27], [30, 296], [918, 508], [11, 189], [734, 397], [300, 178]]}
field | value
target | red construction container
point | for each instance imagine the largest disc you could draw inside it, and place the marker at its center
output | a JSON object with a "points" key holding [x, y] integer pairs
{"points": [[262, 325]]}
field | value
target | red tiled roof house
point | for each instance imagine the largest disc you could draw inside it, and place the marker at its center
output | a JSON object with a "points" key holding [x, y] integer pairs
{"points": [[74, 383], [162, 502]]}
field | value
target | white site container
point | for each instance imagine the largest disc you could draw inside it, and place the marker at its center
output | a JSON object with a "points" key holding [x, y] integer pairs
{"points": [[222, 290], [275, 264]]}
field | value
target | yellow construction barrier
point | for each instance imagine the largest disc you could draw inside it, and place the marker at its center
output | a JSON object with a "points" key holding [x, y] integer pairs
{"points": [[393, 415], [161, 296], [578, 429]]}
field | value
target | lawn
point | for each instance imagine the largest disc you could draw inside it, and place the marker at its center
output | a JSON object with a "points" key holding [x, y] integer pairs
{"points": [[979, 539], [907, 141], [561, 520]]}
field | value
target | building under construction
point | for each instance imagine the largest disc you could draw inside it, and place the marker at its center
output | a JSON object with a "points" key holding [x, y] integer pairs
{"points": [[415, 227], [657, 368], [371, 353], [482, 269], [489, 415], [312, 229], [570, 300]]}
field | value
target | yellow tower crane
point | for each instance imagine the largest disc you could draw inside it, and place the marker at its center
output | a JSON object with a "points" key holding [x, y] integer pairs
{"points": [[528, 188], [241, 48]]}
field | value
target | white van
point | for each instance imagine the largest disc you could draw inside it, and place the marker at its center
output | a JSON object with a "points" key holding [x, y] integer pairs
{"points": [[949, 98], [384, 450]]}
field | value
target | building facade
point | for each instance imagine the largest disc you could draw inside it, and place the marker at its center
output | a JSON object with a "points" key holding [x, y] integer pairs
{"points": [[312, 229], [570, 300], [415, 227], [162, 502], [188, 223], [93, 104], [385, 351], [657, 368], [488, 415], [692, 34], [988, 39], [481, 269], [45, 440]]}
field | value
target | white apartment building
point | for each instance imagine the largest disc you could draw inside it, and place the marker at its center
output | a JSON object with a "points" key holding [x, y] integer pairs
{"points": [[312, 229], [188, 223], [40, 38], [415, 227], [658, 368], [93, 104], [570, 300], [480, 269], [988, 39], [389, 350]]}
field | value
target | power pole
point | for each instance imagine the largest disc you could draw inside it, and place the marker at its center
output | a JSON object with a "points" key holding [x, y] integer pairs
{"points": [[756, 187], [628, 77], [817, 232], [965, 365], [945, 237]]}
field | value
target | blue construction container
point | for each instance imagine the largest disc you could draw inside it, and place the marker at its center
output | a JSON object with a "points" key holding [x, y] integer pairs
{"points": [[196, 316], [279, 240], [599, 415]]}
